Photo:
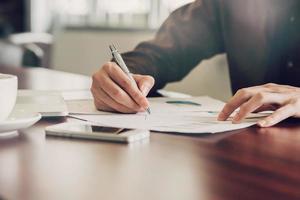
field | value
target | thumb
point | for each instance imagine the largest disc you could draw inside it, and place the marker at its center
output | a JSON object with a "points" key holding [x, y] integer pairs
{"points": [[144, 82]]}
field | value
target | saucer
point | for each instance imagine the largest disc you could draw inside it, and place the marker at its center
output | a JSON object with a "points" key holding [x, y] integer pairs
{"points": [[19, 120]]}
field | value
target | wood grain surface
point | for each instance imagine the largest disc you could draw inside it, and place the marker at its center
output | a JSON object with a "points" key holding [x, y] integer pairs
{"points": [[252, 163]]}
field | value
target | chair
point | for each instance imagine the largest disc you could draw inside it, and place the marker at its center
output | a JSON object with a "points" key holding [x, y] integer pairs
{"points": [[25, 49], [10, 55], [36, 46]]}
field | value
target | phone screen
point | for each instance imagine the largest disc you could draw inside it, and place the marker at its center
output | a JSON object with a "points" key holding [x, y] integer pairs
{"points": [[94, 129]]}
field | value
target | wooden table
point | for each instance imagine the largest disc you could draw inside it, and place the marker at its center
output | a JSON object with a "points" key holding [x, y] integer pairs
{"points": [[249, 164]]}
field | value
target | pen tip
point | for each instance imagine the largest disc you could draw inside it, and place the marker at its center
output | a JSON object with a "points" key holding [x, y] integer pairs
{"points": [[148, 111]]}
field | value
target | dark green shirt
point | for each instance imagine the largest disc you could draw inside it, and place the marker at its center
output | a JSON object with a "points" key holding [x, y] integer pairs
{"points": [[261, 39]]}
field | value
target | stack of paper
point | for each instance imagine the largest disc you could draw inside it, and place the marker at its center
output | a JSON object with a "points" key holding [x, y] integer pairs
{"points": [[181, 115]]}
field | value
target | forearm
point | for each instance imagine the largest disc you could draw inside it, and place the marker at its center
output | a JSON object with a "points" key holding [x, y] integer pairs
{"points": [[190, 34]]}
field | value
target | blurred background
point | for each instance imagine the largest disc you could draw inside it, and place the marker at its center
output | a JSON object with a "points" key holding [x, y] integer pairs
{"points": [[73, 36]]}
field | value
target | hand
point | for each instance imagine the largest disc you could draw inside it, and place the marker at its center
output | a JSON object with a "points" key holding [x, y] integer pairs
{"points": [[114, 91], [283, 99]]}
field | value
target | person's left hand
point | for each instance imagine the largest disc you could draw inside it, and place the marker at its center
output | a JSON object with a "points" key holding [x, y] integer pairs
{"points": [[283, 99]]}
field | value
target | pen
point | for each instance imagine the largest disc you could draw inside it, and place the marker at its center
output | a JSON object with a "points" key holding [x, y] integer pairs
{"points": [[118, 58]]}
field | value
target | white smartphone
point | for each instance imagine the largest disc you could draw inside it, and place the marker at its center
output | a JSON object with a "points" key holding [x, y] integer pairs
{"points": [[94, 132]]}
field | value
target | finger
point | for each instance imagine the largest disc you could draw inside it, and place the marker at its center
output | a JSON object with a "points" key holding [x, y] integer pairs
{"points": [[97, 78], [272, 87], [145, 83], [124, 82], [101, 96], [279, 115], [255, 102], [100, 105], [239, 98], [117, 93]]}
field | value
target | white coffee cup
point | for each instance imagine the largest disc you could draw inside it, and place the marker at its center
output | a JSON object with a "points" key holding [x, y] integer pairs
{"points": [[8, 94]]}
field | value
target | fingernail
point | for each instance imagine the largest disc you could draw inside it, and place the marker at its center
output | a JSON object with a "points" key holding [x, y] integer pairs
{"points": [[221, 117], [236, 119], [262, 123], [145, 90]]}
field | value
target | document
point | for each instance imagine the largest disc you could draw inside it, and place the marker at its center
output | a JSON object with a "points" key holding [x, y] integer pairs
{"points": [[160, 105], [193, 115]]}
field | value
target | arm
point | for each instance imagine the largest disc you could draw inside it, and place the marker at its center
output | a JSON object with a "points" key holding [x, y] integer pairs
{"points": [[190, 34]]}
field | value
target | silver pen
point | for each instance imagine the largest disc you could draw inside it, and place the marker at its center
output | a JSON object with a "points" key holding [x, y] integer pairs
{"points": [[118, 58]]}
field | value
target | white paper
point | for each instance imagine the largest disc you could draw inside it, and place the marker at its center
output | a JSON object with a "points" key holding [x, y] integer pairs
{"points": [[85, 107], [76, 95], [166, 123], [158, 106], [166, 117]]}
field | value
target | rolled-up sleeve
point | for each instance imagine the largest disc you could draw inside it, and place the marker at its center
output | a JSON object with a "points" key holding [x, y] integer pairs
{"points": [[190, 34]]}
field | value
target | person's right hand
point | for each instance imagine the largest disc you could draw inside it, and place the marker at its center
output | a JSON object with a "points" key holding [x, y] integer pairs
{"points": [[113, 90]]}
